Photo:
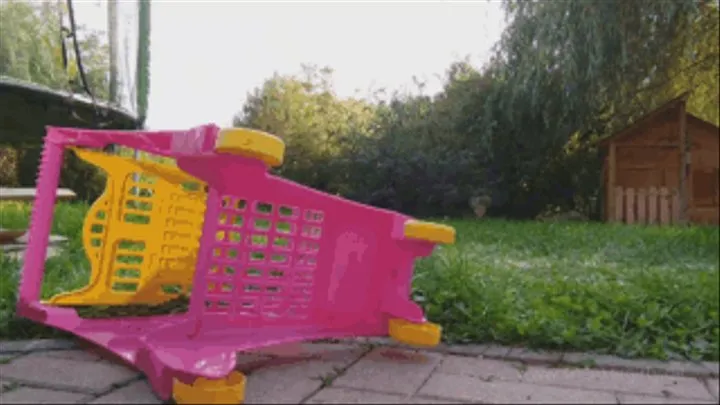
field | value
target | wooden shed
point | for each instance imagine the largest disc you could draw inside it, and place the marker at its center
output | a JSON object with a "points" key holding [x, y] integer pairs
{"points": [[647, 177]]}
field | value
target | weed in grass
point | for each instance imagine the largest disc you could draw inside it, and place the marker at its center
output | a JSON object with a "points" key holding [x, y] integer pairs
{"points": [[326, 380]]}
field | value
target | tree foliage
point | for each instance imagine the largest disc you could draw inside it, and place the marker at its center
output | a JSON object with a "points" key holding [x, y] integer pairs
{"points": [[303, 110], [521, 130], [31, 48]]}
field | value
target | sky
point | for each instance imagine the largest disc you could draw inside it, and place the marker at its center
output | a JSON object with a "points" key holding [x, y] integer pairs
{"points": [[206, 56]]}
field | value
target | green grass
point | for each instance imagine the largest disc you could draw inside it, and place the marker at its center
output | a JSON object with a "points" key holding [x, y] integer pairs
{"points": [[62, 273], [626, 290]]}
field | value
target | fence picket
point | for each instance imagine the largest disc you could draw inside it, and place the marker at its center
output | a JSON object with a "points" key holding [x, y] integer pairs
{"points": [[641, 199], [646, 206], [675, 207], [630, 206], [652, 206], [619, 208], [664, 209]]}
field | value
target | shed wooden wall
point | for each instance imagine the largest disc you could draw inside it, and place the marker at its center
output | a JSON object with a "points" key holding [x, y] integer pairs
{"points": [[704, 176], [650, 156]]}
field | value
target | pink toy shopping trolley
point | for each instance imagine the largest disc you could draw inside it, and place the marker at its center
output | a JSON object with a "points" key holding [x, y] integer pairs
{"points": [[264, 260]]}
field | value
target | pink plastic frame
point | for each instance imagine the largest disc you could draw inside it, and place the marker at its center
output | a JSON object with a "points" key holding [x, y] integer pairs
{"points": [[346, 268]]}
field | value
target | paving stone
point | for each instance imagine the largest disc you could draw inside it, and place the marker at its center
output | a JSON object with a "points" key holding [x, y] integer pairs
{"points": [[12, 346], [50, 344], [464, 350], [103, 354], [680, 368], [77, 355], [7, 386], [289, 384], [419, 400], [533, 357], [594, 360], [336, 352], [348, 396], [485, 369], [631, 383], [713, 387], [24, 346], [496, 352], [138, 392], [390, 370], [7, 358], [27, 395], [297, 379], [84, 376], [331, 351], [247, 362], [374, 341], [439, 348], [318, 351], [646, 399], [714, 367], [471, 389], [283, 350]]}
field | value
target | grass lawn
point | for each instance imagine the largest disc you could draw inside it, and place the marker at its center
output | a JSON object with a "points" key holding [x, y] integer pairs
{"points": [[631, 291]]}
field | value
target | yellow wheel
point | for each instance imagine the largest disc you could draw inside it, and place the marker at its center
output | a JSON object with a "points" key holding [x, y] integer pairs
{"points": [[229, 390], [429, 232], [415, 334], [251, 143]]}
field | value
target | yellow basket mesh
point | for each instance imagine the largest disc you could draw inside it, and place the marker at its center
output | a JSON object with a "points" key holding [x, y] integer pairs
{"points": [[142, 235]]}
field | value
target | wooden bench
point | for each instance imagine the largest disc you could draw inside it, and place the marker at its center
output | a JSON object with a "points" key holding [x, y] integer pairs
{"points": [[13, 241], [28, 194]]}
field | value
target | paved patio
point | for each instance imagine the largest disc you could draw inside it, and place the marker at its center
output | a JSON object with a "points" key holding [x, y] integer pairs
{"points": [[52, 371]]}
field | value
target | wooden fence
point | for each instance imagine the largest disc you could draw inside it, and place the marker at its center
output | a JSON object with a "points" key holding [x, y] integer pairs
{"points": [[646, 206]]}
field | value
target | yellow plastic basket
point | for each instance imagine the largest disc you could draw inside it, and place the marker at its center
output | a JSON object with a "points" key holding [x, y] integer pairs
{"points": [[142, 235]]}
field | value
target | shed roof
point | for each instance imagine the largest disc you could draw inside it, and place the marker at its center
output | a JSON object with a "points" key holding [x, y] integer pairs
{"points": [[673, 103], [26, 108], [628, 130]]}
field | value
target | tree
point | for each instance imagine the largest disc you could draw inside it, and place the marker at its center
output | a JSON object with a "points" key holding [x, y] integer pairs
{"points": [[304, 111], [606, 57], [521, 129], [566, 73], [31, 48], [696, 67]]}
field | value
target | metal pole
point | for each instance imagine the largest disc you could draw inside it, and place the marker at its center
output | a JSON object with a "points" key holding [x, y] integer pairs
{"points": [[112, 16], [142, 71]]}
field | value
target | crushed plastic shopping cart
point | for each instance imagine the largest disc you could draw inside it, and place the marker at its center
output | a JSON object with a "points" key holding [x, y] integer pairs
{"points": [[263, 260]]}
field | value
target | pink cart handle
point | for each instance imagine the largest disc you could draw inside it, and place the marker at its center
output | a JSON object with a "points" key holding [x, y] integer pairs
{"points": [[198, 140]]}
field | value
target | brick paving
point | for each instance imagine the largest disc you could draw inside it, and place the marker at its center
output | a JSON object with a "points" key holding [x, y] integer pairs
{"points": [[369, 371]]}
